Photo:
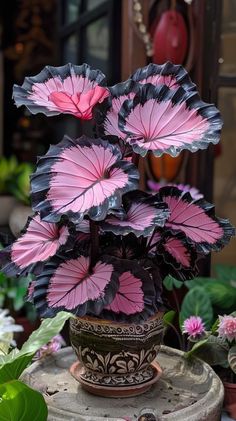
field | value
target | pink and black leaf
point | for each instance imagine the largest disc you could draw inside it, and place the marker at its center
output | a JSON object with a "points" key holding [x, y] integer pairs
{"points": [[106, 114], [142, 213], [196, 219], [163, 120], [81, 177], [126, 247], [31, 291], [169, 74], [134, 300], [67, 89], [73, 286], [177, 254], [38, 242]]}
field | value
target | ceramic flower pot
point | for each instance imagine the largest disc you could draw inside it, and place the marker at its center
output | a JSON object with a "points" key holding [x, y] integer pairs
{"points": [[7, 205], [18, 218], [116, 359], [230, 399]]}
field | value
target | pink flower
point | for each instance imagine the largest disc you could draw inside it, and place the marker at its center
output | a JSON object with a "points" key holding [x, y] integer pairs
{"points": [[227, 327], [52, 346], [194, 326]]}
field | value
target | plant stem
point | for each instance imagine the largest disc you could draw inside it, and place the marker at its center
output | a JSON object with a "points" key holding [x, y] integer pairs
{"points": [[135, 158], [150, 240], [176, 301], [181, 342], [94, 242]]}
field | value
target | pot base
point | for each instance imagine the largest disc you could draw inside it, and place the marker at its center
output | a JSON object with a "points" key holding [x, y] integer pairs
{"points": [[111, 391]]}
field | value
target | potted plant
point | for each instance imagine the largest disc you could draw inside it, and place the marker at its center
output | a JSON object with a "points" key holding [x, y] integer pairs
{"points": [[205, 334], [13, 292], [216, 346], [20, 188], [99, 247], [7, 173]]}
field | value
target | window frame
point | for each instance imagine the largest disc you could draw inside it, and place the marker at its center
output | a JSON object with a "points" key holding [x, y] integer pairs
{"points": [[109, 8]]}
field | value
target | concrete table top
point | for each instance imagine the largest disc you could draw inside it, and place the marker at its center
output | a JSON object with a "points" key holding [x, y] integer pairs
{"points": [[185, 392]]}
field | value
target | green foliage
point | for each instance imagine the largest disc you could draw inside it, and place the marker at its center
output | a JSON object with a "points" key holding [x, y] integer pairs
{"points": [[8, 169], [18, 402], [15, 366], [212, 350], [20, 186], [168, 317], [222, 294], [226, 273], [197, 303], [14, 363], [15, 178], [13, 292], [170, 283]]}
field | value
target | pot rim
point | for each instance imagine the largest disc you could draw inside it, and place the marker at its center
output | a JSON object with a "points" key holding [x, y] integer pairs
{"points": [[229, 385], [97, 321]]}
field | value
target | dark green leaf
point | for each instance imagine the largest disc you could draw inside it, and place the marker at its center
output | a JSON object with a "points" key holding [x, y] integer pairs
{"points": [[168, 317], [221, 293], [196, 347], [171, 283], [197, 303], [19, 299], [214, 351], [13, 369], [225, 273], [18, 402], [199, 281], [3, 277]]}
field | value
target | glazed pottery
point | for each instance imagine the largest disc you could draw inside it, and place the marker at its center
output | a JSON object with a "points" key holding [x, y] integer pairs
{"points": [[116, 358], [7, 204], [18, 218], [230, 399]]}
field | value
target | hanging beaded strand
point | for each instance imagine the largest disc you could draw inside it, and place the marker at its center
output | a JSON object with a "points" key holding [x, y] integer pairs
{"points": [[141, 27]]}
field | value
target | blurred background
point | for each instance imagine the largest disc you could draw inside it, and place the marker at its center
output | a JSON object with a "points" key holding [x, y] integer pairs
{"points": [[117, 36]]}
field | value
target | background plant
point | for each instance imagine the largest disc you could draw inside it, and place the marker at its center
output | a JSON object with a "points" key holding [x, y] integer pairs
{"points": [[19, 185], [8, 167], [217, 346], [206, 296], [19, 401]]}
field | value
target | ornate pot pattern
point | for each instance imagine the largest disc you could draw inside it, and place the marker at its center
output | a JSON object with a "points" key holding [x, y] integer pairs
{"points": [[116, 354]]}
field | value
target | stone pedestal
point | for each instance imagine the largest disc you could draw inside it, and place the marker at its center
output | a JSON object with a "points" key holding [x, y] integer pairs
{"points": [[185, 392]]}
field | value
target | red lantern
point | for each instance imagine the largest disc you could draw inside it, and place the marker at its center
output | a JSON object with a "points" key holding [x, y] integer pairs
{"points": [[170, 39]]}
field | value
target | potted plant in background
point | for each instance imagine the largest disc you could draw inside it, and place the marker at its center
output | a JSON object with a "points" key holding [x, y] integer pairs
{"points": [[205, 334], [216, 346], [13, 292], [20, 188], [99, 247], [7, 173]]}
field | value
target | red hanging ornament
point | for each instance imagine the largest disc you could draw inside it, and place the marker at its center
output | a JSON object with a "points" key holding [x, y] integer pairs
{"points": [[170, 39]]}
